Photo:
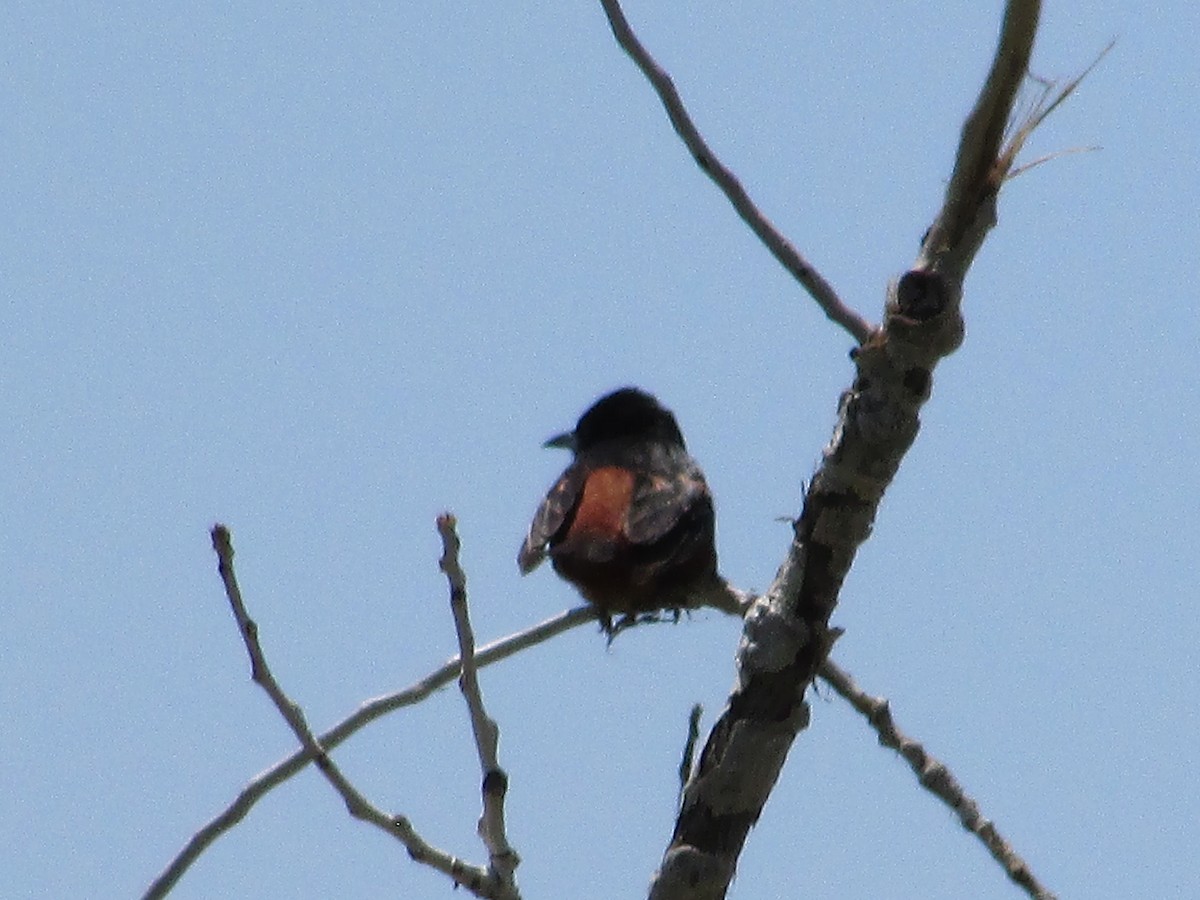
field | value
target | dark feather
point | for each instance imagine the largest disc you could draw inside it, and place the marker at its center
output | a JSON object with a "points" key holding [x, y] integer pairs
{"points": [[660, 502], [551, 518]]}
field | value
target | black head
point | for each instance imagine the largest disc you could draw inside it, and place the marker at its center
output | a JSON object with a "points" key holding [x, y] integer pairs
{"points": [[625, 413]]}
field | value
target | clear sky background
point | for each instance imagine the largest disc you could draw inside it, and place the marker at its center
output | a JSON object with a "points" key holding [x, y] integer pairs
{"points": [[320, 274]]}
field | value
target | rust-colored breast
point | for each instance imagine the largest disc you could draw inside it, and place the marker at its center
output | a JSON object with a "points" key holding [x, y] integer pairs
{"points": [[605, 500]]}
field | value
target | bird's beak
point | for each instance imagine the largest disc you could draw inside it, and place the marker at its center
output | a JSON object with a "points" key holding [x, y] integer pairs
{"points": [[564, 441]]}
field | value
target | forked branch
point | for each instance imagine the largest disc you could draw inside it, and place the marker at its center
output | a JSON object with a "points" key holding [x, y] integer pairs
{"points": [[367, 713], [474, 879]]}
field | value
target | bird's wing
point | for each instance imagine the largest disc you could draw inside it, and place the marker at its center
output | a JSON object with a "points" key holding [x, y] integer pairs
{"points": [[661, 501], [553, 514]]}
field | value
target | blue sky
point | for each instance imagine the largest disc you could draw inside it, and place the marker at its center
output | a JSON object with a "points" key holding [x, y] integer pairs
{"points": [[321, 274]]}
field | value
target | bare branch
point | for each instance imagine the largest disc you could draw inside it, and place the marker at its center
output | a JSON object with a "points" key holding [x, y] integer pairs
{"points": [[781, 248], [935, 777], [475, 879], [367, 713], [502, 858]]}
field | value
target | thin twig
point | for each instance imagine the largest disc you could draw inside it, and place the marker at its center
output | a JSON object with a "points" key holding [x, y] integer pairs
{"points": [[1049, 157], [367, 713], [781, 248], [502, 858], [1047, 102], [935, 777]]}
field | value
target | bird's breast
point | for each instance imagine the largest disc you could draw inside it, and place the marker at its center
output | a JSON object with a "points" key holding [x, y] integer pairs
{"points": [[603, 503]]}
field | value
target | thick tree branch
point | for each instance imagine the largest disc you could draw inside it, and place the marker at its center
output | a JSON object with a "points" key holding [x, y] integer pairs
{"points": [[781, 248], [787, 635]]}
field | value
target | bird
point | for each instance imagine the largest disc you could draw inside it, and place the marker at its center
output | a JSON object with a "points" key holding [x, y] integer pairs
{"points": [[630, 523]]}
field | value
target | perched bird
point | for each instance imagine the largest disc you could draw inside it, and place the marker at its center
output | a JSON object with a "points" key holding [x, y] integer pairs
{"points": [[630, 523]]}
